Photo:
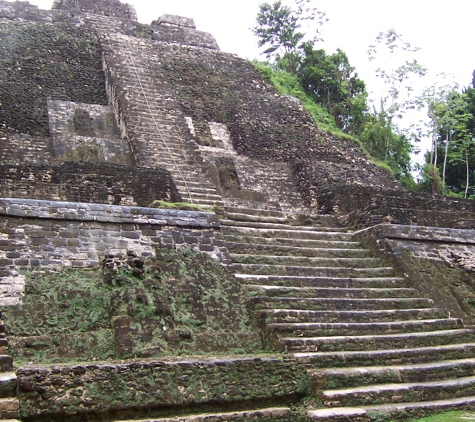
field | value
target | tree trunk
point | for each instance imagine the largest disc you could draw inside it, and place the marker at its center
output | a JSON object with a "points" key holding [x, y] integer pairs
{"points": [[433, 151], [447, 140], [468, 175], [388, 138]]}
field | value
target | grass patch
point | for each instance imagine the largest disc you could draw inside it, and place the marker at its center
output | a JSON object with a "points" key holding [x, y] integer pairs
{"points": [[455, 416], [288, 84]]}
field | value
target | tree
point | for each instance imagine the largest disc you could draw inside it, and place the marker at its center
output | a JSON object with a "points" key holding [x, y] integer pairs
{"points": [[453, 136], [447, 114], [331, 81], [438, 100], [278, 28], [464, 145], [374, 136], [398, 98]]}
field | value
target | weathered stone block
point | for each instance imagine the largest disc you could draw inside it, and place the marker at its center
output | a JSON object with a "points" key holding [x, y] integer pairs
{"points": [[100, 388]]}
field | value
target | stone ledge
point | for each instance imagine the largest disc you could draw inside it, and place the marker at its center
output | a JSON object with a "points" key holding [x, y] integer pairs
{"points": [[417, 233], [114, 386], [56, 210]]}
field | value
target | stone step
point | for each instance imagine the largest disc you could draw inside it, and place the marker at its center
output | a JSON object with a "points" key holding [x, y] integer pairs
{"points": [[207, 195], [6, 363], [398, 393], [339, 414], [206, 202], [9, 408], [260, 249], [8, 383], [305, 261], [338, 304], [290, 270], [235, 216], [254, 211], [179, 167], [280, 226], [306, 281], [199, 185], [292, 234], [200, 189], [174, 147], [397, 411], [387, 356], [286, 241], [268, 414], [187, 173], [326, 329], [376, 342], [328, 292], [272, 316], [314, 220], [338, 378], [3, 344]]}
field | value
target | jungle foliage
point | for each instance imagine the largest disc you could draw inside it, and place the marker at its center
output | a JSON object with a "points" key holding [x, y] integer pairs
{"points": [[332, 92]]}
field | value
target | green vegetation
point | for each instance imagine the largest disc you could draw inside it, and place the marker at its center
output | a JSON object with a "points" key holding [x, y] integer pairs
{"points": [[176, 302], [457, 416], [331, 91], [452, 130], [288, 84], [329, 87]]}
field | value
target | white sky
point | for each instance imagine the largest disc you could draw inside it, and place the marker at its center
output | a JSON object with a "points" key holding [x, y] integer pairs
{"points": [[445, 31]]}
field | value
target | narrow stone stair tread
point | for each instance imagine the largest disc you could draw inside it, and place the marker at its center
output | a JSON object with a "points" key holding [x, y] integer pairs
{"points": [[276, 413], [347, 377], [382, 356]]}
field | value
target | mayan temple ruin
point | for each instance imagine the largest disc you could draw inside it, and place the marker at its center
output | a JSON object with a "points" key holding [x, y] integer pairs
{"points": [[181, 243]]}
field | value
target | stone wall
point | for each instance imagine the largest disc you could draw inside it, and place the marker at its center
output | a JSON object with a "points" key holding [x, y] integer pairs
{"points": [[101, 182], [18, 10], [439, 262], [112, 8], [18, 148], [181, 30], [85, 132], [365, 206], [243, 181], [43, 60], [101, 388], [52, 235], [80, 234]]}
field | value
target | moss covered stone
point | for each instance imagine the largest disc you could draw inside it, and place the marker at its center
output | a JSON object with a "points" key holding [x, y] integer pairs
{"points": [[176, 302]]}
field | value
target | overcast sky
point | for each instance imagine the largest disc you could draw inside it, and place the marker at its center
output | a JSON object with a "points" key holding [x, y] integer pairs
{"points": [[444, 30]]}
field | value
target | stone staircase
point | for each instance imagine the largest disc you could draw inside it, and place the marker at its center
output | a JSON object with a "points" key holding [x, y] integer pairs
{"points": [[374, 349], [151, 120], [9, 407]]}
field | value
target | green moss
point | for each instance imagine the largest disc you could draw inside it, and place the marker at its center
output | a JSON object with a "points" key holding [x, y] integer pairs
{"points": [[178, 302]]}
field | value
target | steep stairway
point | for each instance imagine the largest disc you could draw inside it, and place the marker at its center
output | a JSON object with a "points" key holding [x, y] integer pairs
{"points": [[374, 349], [151, 119], [9, 407]]}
